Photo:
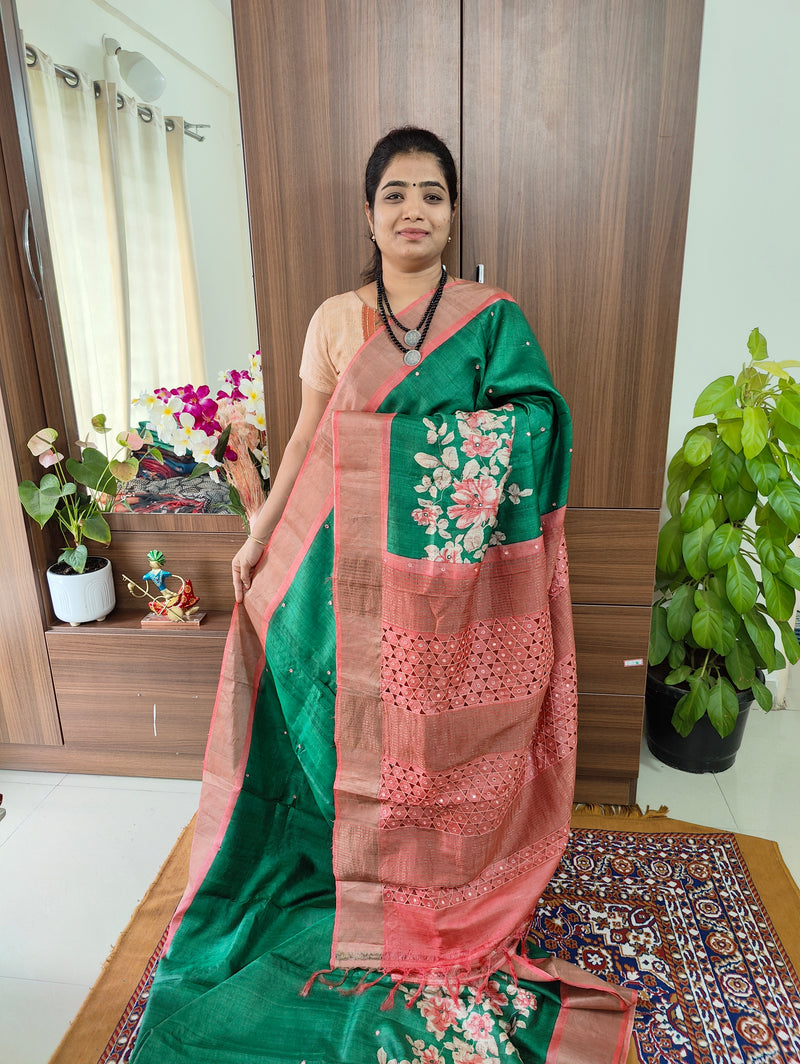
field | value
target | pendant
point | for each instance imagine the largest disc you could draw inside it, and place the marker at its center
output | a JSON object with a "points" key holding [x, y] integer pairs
{"points": [[412, 358], [412, 338]]}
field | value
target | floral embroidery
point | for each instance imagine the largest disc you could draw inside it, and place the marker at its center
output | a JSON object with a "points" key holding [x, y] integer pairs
{"points": [[465, 483], [474, 1028]]}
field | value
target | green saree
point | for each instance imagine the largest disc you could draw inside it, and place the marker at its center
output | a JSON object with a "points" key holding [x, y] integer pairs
{"points": [[389, 776]]}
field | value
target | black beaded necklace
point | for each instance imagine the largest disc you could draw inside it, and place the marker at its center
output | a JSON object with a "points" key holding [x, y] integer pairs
{"points": [[413, 338]]}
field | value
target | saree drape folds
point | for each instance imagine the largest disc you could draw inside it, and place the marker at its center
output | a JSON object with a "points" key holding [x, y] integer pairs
{"points": [[389, 776]]}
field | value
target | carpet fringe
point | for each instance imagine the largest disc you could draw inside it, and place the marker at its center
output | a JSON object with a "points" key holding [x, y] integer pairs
{"points": [[633, 812]]}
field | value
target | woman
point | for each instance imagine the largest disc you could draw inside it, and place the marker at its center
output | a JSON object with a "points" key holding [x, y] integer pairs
{"points": [[389, 775]]}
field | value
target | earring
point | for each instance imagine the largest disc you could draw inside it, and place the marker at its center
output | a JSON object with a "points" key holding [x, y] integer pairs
{"points": [[372, 237], [449, 239]]}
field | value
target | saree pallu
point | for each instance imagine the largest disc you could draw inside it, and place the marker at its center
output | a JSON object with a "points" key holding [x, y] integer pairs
{"points": [[389, 777]]}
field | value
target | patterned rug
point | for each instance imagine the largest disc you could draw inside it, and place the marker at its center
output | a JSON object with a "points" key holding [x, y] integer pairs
{"points": [[673, 913]]}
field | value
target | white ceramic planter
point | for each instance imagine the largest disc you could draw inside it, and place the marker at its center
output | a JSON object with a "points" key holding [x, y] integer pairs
{"points": [[81, 597]]}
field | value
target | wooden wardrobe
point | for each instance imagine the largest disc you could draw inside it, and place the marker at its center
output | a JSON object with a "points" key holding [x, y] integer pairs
{"points": [[572, 125]]}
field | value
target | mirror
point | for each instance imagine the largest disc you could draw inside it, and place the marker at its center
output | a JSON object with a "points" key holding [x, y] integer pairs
{"points": [[196, 57]]}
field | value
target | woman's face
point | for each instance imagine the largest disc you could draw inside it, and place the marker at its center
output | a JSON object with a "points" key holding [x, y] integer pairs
{"points": [[412, 215]]}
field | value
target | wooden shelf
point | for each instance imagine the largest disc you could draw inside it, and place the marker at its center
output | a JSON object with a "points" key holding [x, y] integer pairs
{"points": [[215, 624]]}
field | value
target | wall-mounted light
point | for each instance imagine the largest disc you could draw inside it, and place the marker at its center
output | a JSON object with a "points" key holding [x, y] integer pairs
{"points": [[144, 77]]}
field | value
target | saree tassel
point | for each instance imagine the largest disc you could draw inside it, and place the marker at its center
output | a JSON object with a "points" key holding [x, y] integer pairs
{"points": [[363, 984], [415, 996], [388, 1001], [312, 979]]}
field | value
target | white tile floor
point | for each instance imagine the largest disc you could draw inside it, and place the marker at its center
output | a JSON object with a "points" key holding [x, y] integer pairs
{"points": [[77, 854]]}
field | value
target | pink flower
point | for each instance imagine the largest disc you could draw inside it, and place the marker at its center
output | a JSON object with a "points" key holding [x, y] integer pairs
{"points": [[496, 998], [478, 1025], [440, 1014], [450, 552], [477, 444], [427, 515], [431, 1056], [475, 501], [525, 1000], [50, 459]]}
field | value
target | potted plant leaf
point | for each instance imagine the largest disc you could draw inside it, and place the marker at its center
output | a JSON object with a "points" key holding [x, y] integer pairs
{"points": [[78, 492], [726, 575]]}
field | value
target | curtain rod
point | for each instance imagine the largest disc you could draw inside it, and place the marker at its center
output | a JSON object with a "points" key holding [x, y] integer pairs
{"points": [[72, 78]]}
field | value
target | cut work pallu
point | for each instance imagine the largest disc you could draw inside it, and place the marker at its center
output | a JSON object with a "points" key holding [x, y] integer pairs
{"points": [[389, 777]]}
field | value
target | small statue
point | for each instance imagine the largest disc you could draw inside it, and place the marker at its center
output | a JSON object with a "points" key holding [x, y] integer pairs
{"points": [[169, 606], [157, 574]]}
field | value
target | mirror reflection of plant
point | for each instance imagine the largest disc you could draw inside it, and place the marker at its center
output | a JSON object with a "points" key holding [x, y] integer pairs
{"points": [[80, 513], [726, 575]]}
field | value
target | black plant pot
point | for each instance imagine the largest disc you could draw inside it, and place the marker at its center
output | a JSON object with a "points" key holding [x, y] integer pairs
{"points": [[703, 749]]}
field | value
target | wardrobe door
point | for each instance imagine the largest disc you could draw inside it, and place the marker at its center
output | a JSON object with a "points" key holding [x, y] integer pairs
{"points": [[319, 84], [577, 144]]}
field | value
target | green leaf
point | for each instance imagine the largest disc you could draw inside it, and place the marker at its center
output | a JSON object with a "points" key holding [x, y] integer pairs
{"points": [[75, 557], [788, 405], [716, 397], [785, 433], [779, 597], [699, 443], [763, 470], [726, 466], [724, 543], [707, 628], [762, 694], [680, 612], [771, 548], [668, 555], [92, 471], [124, 471], [723, 706], [730, 428], [740, 584], [791, 647], [695, 549], [757, 345], [785, 501], [96, 527], [691, 707], [678, 676], [677, 655], [740, 666], [660, 639], [755, 428], [738, 502], [40, 503], [700, 505], [778, 369], [791, 572], [763, 637]]}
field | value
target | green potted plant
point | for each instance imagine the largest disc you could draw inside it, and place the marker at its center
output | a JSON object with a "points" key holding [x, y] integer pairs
{"points": [[726, 575], [77, 492]]}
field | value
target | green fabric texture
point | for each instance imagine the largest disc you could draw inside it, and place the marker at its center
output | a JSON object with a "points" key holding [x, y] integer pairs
{"points": [[229, 989]]}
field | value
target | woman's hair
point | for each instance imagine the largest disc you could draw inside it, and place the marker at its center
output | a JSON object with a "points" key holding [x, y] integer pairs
{"points": [[406, 140]]}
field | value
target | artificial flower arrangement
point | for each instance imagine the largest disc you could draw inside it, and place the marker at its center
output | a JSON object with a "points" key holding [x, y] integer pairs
{"points": [[225, 434], [80, 513]]}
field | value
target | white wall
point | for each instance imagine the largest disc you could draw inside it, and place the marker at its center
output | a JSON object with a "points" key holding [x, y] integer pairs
{"points": [[191, 42], [742, 263]]}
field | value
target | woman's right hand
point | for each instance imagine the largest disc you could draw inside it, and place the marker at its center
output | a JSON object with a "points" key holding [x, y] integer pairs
{"points": [[244, 564]]}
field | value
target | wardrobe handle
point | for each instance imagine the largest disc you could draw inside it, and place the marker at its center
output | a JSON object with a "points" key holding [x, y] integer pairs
{"points": [[27, 228], [479, 273]]}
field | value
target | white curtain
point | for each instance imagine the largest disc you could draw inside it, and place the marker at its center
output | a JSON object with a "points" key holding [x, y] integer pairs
{"points": [[114, 193]]}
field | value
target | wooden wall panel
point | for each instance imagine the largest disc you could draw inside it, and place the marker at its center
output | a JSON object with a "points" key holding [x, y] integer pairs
{"points": [[204, 558], [319, 84], [610, 640], [612, 555], [577, 144]]}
